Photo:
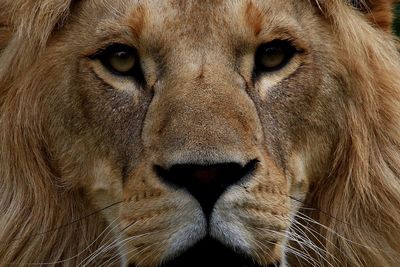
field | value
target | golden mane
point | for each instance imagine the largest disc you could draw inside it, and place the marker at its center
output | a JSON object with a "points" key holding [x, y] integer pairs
{"points": [[26, 179], [357, 206], [360, 200]]}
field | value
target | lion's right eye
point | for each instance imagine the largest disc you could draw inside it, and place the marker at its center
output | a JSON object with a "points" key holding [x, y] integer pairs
{"points": [[273, 56], [120, 60]]}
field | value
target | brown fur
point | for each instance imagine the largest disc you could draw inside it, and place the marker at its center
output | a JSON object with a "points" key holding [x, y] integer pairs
{"points": [[75, 139]]}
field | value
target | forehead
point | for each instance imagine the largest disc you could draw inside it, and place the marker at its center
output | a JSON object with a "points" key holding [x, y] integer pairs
{"points": [[159, 21]]}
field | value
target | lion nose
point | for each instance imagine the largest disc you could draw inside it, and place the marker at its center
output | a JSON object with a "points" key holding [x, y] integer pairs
{"points": [[206, 182]]}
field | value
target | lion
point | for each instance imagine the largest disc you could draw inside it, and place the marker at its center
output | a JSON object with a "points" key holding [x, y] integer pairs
{"points": [[199, 133]]}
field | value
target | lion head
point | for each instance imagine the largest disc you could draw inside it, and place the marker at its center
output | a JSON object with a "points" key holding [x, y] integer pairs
{"points": [[199, 133]]}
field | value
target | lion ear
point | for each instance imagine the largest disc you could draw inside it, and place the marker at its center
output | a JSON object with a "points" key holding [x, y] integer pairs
{"points": [[378, 12]]}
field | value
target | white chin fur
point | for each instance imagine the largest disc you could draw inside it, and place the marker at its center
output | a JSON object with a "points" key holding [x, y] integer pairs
{"points": [[226, 227], [192, 228]]}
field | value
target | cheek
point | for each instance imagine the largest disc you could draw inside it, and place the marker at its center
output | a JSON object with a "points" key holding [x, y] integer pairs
{"points": [[97, 132], [104, 188], [298, 116], [111, 111], [297, 175], [294, 110]]}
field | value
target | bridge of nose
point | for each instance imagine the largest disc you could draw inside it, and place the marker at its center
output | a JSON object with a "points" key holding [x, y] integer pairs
{"points": [[210, 112]]}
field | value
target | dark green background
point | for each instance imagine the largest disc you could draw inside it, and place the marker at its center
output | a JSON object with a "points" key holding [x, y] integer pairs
{"points": [[397, 21]]}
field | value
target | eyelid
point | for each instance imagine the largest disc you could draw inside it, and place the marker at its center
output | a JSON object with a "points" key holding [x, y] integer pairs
{"points": [[104, 49], [292, 33], [289, 41], [93, 53]]}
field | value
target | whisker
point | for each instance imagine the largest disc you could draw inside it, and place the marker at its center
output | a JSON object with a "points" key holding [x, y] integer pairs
{"points": [[309, 219], [297, 225], [112, 245], [139, 251], [315, 234], [313, 247], [324, 212], [145, 258], [102, 249], [72, 222], [302, 243], [294, 251], [262, 247], [106, 230]]}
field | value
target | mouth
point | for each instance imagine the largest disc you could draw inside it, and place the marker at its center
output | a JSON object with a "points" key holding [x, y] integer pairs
{"points": [[211, 253]]}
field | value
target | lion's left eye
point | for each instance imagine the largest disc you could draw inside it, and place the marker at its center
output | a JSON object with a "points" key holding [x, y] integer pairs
{"points": [[273, 56], [120, 59]]}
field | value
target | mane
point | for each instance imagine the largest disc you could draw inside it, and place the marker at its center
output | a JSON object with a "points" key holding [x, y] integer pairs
{"points": [[360, 199], [40, 220], [358, 204]]}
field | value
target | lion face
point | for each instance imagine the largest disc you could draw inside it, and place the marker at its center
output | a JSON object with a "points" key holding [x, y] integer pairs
{"points": [[206, 121]]}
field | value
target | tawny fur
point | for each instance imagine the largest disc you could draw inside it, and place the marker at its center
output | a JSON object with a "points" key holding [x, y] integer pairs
{"points": [[360, 198], [364, 185]]}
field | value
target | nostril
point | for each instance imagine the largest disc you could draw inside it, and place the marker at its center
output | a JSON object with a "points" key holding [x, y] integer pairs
{"points": [[205, 182]]}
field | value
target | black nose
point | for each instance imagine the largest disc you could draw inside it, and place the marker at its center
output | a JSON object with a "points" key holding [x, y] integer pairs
{"points": [[206, 182]]}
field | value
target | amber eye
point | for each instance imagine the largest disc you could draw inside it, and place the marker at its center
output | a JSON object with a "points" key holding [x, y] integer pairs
{"points": [[273, 56], [120, 59]]}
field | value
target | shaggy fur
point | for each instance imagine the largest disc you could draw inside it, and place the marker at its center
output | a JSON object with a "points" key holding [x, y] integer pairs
{"points": [[55, 150], [363, 186]]}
